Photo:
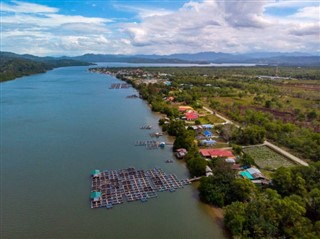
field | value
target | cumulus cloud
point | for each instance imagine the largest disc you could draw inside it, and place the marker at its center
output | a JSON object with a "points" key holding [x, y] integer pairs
{"points": [[229, 26], [216, 25]]}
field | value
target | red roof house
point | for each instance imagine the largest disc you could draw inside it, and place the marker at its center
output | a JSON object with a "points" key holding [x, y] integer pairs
{"points": [[214, 153], [191, 115], [185, 108]]}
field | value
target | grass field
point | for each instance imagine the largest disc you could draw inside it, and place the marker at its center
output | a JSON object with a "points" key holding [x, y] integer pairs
{"points": [[266, 158]]}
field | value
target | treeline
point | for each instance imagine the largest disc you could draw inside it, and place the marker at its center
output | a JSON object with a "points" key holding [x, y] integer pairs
{"points": [[306, 73]]}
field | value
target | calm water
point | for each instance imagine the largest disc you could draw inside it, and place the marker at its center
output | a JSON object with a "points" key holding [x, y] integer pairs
{"points": [[56, 128]]}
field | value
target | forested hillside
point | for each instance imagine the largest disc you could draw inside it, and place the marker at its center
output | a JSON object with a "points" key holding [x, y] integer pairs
{"points": [[13, 66]]}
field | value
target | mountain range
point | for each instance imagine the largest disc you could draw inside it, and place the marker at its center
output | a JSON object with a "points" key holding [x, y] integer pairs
{"points": [[14, 65], [268, 58]]}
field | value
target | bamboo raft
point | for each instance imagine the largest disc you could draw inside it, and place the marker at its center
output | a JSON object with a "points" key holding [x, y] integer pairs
{"points": [[116, 186]]}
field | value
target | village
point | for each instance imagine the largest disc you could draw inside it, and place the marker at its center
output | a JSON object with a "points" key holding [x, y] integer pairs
{"points": [[207, 126]]}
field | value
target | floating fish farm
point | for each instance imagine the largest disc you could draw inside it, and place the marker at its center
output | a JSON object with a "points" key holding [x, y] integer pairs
{"points": [[109, 188]]}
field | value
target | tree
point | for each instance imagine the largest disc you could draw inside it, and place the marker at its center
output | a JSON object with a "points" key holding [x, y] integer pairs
{"points": [[250, 135], [241, 190], [314, 204], [282, 181], [184, 140], [235, 218], [247, 160], [268, 104], [197, 166], [312, 115], [210, 192]]}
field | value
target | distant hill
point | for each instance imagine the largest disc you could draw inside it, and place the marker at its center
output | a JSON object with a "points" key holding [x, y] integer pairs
{"points": [[13, 65], [130, 59], [269, 58]]}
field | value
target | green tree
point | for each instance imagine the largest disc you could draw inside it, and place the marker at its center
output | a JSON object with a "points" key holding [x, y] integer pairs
{"points": [[241, 190], [282, 181], [235, 218]]}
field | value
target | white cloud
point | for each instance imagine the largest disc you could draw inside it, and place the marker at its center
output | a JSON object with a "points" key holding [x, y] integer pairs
{"points": [[229, 26], [41, 30], [143, 12], [23, 7], [290, 3], [216, 25], [308, 13]]}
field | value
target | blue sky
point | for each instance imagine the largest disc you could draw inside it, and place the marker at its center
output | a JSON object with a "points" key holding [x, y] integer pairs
{"points": [[75, 27]]}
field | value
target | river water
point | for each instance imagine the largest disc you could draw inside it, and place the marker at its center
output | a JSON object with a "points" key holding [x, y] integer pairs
{"points": [[59, 126]]}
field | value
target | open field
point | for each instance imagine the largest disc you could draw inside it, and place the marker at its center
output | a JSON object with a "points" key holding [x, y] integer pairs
{"points": [[266, 158]]}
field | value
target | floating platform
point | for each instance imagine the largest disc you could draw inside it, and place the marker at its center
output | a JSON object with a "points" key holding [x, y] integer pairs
{"points": [[119, 86], [110, 188]]}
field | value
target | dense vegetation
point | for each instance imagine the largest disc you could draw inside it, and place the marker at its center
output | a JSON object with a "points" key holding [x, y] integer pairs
{"points": [[290, 208], [13, 66]]}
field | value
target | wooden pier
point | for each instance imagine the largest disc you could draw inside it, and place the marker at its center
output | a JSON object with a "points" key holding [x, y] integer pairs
{"points": [[109, 188]]}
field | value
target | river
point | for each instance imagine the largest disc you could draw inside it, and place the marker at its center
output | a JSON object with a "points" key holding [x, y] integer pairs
{"points": [[59, 126]]}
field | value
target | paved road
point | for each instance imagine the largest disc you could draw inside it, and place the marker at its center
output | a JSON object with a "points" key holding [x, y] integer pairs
{"points": [[267, 143]]}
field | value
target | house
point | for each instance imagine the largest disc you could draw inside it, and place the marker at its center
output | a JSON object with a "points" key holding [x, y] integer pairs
{"points": [[236, 166], [95, 173], [214, 153], [208, 142], [230, 160], [247, 175], [195, 127], [180, 153], [253, 174], [95, 196], [167, 83], [208, 171], [192, 115], [207, 126], [170, 99], [256, 173], [185, 108], [207, 134]]}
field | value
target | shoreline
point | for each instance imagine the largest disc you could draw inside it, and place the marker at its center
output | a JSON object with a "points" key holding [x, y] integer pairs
{"points": [[217, 214]]}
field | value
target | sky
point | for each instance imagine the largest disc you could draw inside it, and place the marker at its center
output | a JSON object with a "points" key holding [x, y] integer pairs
{"points": [[76, 27]]}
